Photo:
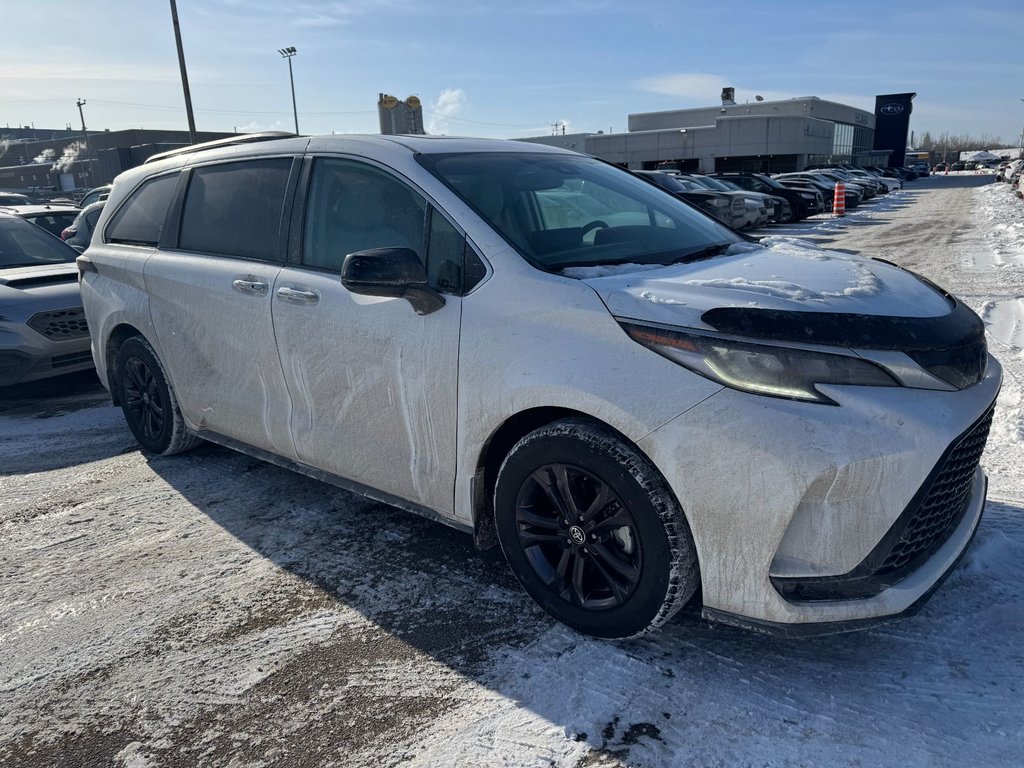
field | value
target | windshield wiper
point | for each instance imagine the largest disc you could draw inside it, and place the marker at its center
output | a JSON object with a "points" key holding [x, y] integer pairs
{"points": [[702, 253]]}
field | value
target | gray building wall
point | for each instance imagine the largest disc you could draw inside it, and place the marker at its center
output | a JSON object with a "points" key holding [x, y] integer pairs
{"points": [[809, 106], [768, 135]]}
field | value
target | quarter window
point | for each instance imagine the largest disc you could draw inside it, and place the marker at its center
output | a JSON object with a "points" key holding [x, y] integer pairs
{"points": [[445, 261], [235, 209], [141, 219]]}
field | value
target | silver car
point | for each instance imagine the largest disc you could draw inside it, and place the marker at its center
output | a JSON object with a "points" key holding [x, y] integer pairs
{"points": [[43, 331], [636, 403]]}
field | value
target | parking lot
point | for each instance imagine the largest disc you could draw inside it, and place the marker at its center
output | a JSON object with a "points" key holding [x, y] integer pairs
{"points": [[212, 609]]}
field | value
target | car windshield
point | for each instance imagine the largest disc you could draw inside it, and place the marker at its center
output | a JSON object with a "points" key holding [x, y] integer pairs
{"points": [[665, 181], [769, 181], [715, 184], [23, 244], [569, 210]]}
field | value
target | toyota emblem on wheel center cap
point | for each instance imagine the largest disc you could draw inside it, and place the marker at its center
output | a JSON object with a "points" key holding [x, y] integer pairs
{"points": [[577, 534]]}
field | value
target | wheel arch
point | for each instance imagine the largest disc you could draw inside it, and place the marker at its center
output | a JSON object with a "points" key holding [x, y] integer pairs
{"points": [[498, 446]]}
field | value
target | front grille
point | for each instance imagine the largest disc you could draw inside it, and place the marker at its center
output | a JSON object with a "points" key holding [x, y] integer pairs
{"points": [[944, 502], [61, 324]]}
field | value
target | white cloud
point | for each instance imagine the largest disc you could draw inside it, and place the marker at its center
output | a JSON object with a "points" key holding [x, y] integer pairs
{"points": [[256, 127], [448, 105]]}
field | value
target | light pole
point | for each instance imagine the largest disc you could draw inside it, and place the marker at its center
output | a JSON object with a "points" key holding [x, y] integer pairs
{"points": [[184, 75], [1021, 142], [288, 53]]}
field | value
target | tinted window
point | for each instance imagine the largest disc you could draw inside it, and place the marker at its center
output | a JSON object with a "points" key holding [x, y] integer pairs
{"points": [[24, 244], [141, 219], [353, 207], [235, 209], [444, 255], [54, 223]]}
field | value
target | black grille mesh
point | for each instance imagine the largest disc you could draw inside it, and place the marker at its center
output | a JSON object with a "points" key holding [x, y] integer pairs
{"points": [[61, 324], [945, 501]]}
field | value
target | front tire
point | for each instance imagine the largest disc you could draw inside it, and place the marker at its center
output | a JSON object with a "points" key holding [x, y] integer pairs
{"points": [[148, 400], [592, 532]]}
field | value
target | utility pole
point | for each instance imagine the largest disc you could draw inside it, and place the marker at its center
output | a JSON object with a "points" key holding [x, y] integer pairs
{"points": [[184, 75], [85, 136]]}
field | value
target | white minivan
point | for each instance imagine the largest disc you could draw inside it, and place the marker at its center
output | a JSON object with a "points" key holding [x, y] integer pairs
{"points": [[638, 404]]}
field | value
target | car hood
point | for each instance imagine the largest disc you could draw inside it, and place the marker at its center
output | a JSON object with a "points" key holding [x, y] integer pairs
{"points": [[48, 284], [780, 275]]}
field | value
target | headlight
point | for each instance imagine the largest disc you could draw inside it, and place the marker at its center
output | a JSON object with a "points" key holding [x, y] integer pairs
{"points": [[761, 369]]}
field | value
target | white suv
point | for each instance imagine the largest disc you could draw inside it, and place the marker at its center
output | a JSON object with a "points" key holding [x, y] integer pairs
{"points": [[536, 347]]}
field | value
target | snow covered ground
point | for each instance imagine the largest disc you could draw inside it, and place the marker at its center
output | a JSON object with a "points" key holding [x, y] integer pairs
{"points": [[209, 609]]}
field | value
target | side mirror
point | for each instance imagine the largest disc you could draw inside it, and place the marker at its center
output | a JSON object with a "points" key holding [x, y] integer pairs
{"points": [[394, 272]]}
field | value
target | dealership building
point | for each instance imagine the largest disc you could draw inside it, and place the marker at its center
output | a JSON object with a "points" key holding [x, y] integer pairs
{"points": [[775, 136]]}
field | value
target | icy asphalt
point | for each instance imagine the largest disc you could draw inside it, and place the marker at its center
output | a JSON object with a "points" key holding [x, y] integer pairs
{"points": [[209, 609]]}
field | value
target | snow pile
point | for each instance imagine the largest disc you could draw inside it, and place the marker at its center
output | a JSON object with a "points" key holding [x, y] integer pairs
{"points": [[1003, 215]]}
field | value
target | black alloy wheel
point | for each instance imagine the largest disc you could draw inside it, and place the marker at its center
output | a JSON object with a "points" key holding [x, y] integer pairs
{"points": [[144, 406], [592, 531], [148, 401], [579, 537]]}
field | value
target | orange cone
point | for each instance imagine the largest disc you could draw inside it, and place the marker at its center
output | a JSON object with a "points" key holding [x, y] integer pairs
{"points": [[839, 200]]}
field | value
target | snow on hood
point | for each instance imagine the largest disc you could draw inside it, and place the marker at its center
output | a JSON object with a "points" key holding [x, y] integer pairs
{"points": [[780, 273]]}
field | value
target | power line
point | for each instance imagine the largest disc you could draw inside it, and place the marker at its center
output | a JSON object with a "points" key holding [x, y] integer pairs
{"points": [[231, 111], [438, 116]]}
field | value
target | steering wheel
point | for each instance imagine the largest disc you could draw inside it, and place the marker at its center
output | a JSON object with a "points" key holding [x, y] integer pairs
{"points": [[596, 223]]}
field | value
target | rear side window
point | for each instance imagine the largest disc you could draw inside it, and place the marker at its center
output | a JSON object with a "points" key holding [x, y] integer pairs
{"points": [[141, 219], [235, 209]]}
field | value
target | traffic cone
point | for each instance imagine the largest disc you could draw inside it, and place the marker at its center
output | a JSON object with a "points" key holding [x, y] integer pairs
{"points": [[839, 200]]}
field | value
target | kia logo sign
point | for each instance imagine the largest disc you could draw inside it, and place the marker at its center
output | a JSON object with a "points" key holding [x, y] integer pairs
{"points": [[892, 108]]}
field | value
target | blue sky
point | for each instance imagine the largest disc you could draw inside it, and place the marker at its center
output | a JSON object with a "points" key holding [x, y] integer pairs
{"points": [[503, 69]]}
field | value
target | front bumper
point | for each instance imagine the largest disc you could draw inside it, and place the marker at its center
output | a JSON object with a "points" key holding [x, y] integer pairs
{"points": [[959, 542], [43, 347], [777, 491]]}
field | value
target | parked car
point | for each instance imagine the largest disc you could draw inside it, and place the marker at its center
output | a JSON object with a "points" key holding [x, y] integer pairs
{"points": [[807, 186], [43, 332], [731, 211], [53, 218], [15, 198], [79, 233], [803, 203], [757, 207], [95, 195], [826, 185], [537, 347]]}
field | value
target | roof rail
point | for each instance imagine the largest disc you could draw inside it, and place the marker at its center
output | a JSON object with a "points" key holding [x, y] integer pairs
{"points": [[244, 138]]}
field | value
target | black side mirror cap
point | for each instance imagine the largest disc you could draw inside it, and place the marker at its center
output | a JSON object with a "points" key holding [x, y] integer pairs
{"points": [[396, 272]]}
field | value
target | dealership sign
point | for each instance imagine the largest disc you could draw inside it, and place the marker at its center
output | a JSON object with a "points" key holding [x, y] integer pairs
{"points": [[892, 108]]}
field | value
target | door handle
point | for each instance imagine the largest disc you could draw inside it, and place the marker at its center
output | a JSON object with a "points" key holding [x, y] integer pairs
{"points": [[250, 286], [295, 296]]}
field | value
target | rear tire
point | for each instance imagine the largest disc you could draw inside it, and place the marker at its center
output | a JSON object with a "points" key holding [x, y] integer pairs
{"points": [[592, 532], [148, 400]]}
